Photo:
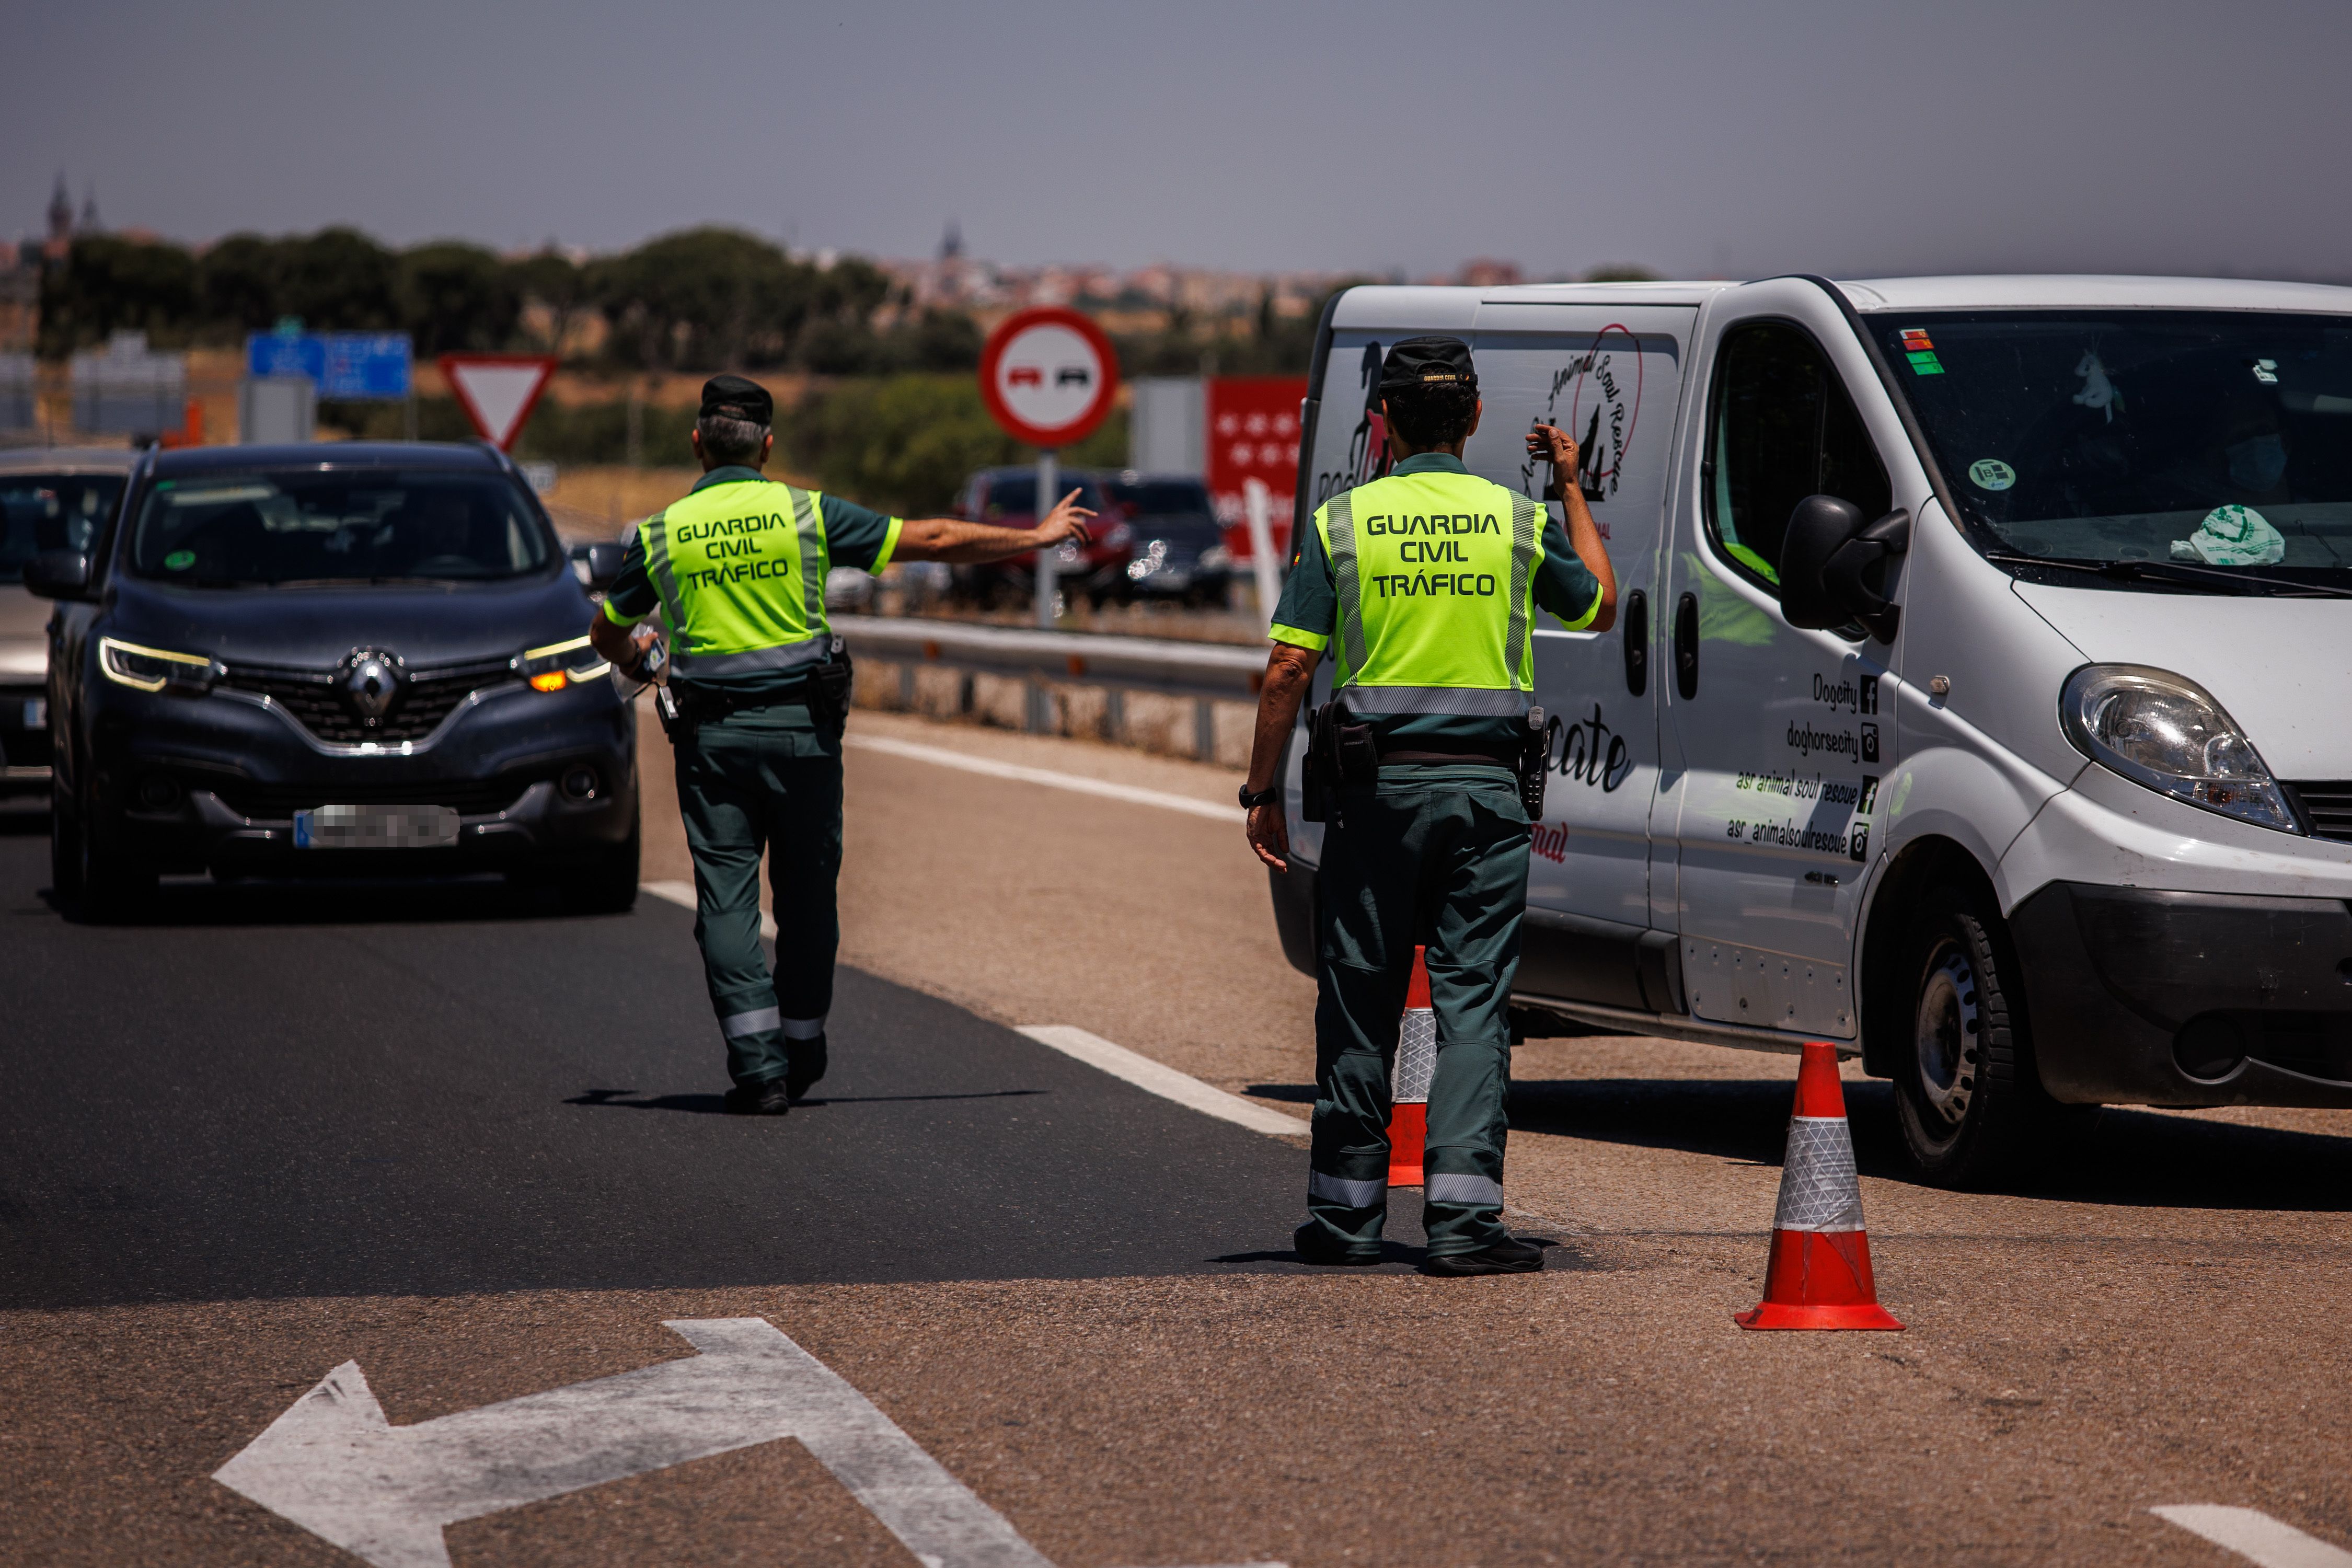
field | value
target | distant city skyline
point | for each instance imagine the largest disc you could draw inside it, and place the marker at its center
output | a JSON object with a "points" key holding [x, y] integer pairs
{"points": [[1694, 138]]}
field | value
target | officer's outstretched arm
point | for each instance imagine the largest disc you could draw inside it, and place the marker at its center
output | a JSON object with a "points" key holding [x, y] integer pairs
{"points": [[963, 543], [1555, 445]]}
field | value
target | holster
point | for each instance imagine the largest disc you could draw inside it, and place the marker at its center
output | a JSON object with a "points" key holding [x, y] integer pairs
{"points": [[1342, 754], [829, 686], [1535, 761]]}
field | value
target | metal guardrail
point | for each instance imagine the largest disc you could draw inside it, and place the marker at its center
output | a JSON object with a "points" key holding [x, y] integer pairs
{"points": [[1207, 673]]}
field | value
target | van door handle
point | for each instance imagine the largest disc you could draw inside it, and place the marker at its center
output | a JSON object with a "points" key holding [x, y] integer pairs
{"points": [[1637, 642], [1686, 646]]}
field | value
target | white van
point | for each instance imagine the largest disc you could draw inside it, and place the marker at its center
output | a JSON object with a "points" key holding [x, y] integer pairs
{"points": [[1981, 695]]}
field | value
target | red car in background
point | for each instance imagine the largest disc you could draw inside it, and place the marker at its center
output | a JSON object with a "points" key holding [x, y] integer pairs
{"points": [[1008, 497]]}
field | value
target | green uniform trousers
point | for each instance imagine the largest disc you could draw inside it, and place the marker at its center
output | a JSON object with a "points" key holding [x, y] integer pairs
{"points": [[764, 779], [1436, 854]]}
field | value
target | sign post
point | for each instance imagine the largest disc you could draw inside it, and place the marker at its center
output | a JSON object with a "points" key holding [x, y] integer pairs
{"points": [[1048, 376]]}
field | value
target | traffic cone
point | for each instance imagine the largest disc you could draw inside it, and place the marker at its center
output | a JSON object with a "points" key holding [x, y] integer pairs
{"points": [[1416, 1064], [1818, 1275]]}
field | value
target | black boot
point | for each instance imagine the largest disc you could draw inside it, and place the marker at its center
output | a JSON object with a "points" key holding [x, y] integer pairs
{"points": [[808, 1066], [1314, 1245], [1508, 1255], [767, 1098]]}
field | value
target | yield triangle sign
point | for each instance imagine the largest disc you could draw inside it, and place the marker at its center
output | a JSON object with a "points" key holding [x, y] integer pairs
{"points": [[498, 392]]}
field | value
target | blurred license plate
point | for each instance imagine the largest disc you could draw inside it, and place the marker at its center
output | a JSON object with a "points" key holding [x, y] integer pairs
{"points": [[375, 828]]}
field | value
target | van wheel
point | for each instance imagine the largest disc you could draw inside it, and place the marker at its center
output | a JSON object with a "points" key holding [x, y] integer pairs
{"points": [[1969, 1103]]}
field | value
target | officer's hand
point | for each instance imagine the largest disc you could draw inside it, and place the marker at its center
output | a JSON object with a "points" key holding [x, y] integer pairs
{"points": [[1066, 521], [641, 639], [1550, 443], [1269, 835]]}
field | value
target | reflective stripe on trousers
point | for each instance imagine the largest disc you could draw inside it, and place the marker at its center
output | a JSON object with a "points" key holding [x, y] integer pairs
{"points": [[1340, 1190]]}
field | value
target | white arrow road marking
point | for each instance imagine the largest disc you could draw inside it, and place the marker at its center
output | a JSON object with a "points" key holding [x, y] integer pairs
{"points": [[2256, 1535], [334, 1464]]}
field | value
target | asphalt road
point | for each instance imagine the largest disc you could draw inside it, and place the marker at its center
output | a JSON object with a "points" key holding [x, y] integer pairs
{"points": [[468, 1142], [260, 1091]]}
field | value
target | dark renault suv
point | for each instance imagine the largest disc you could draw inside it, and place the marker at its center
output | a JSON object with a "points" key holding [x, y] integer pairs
{"points": [[323, 659]]}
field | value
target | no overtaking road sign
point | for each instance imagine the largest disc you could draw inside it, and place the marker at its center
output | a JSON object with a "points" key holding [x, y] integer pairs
{"points": [[1049, 376]]}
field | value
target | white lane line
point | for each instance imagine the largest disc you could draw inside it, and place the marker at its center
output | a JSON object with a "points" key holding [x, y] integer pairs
{"points": [[1164, 1080], [335, 1466], [1075, 783], [682, 894], [2255, 1536]]}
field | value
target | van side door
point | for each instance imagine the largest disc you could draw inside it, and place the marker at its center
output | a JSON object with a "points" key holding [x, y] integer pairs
{"points": [[1777, 735], [1611, 377]]}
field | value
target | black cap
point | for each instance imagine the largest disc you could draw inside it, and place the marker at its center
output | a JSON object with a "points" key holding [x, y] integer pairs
{"points": [[732, 397], [1424, 361]]}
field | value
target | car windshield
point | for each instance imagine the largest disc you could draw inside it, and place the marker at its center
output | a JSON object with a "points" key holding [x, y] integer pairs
{"points": [[51, 511], [2213, 446], [1015, 495], [346, 525]]}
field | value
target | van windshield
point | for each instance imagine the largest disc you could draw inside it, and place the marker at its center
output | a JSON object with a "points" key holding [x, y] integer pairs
{"points": [[336, 526], [2195, 448]]}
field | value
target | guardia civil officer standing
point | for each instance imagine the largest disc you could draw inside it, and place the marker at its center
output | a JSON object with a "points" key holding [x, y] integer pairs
{"points": [[1422, 587], [736, 570]]}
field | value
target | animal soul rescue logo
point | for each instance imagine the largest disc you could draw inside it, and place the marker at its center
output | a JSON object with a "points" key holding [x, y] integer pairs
{"points": [[1597, 399]]}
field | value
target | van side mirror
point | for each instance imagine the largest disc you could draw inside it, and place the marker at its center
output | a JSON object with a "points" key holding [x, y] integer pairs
{"points": [[598, 566], [57, 575], [1826, 560]]}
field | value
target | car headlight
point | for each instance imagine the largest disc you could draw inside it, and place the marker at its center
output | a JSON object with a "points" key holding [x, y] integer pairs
{"points": [[560, 664], [2166, 732], [153, 668]]}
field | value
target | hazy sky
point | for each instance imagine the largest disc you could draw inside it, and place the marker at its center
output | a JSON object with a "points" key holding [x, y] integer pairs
{"points": [[1697, 138]]}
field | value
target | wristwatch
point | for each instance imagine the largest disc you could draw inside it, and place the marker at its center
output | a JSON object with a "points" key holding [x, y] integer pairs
{"points": [[1252, 799]]}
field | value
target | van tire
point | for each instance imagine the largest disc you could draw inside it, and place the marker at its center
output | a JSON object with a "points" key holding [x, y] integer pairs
{"points": [[1971, 1108]]}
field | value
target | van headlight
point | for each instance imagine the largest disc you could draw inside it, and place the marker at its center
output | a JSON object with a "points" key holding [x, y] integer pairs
{"points": [[2166, 732], [153, 668], [560, 664]]}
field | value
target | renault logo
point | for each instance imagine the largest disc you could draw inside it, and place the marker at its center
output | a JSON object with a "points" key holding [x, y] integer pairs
{"points": [[371, 681]]}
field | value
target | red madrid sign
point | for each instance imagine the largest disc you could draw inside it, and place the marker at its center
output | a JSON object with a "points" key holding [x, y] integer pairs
{"points": [[1048, 375]]}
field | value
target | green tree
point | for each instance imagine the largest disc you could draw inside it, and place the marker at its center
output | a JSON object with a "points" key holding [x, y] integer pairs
{"points": [[337, 279], [706, 297], [236, 284], [456, 296], [108, 284], [905, 442], [560, 287]]}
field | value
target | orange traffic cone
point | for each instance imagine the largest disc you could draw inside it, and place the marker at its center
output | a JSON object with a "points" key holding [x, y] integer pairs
{"points": [[1416, 1064], [1818, 1273]]}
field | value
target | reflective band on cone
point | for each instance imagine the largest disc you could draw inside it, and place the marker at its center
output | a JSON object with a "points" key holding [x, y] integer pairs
{"points": [[1818, 1275], [1416, 1064]]}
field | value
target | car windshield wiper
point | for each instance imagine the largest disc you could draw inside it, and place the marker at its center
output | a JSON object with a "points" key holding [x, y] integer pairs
{"points": [[2173, 572]]}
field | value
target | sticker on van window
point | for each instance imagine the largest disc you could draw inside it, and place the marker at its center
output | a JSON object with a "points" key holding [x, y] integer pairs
{"points": [[2266, 372], [180, 560], [1925, 362], [1991, 474]]}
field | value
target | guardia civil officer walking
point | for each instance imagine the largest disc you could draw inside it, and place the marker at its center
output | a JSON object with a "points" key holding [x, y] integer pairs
{"points": [[1422, 587], [736, 570]]}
